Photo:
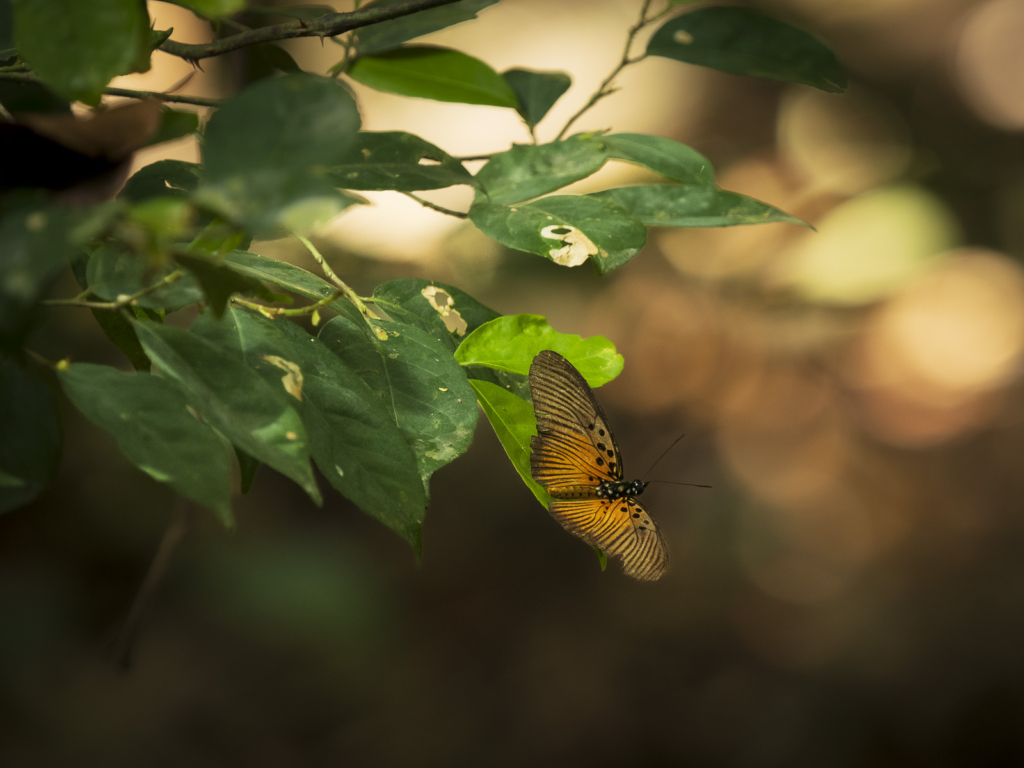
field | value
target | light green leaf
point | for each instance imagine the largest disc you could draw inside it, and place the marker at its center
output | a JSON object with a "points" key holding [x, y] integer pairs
{"points": [[430, 72], [234, 400], [747, 42], [400, 161], [528, 171], [155, 431], [510, 343], [514, 423], [77, 46], [352, 437], [537, 91], [688, 205], [669, 158], [30, 437], [267, 153], [385, 35], [420, 384], [567, 229]]}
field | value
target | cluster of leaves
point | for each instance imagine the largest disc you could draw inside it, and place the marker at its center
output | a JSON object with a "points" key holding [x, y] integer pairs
{"points": [[386, 391]]}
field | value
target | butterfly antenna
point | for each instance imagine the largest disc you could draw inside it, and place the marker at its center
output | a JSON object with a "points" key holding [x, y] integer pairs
{"points": [[671, 482], [664, 454]]}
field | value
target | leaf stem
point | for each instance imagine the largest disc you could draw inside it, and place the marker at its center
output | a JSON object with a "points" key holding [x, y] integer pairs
{"points": [[23, 77], [121, 302], [348, 292], [605, 88], [273, 312], [436, 207], [329, 25]]}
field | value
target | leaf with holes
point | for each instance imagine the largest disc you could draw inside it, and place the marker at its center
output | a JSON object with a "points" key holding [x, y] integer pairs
{"points": [[567, 229], [419, 383], [352, 436], [746, 42], [689, 205], [444, 312], [400, 161], [529, 171]]}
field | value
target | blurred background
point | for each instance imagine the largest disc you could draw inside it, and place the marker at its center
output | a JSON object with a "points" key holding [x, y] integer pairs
{"points": [[850, 593]]}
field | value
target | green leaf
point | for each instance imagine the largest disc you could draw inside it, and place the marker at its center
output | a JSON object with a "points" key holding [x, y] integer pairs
{"points": [[385, 35], [746, 42], [155, 431], [220, 281], [602, 558], [30, 436], [36, 242], [444, 312], [212, 9], [400, 161], [267, 150], [567, 229], [112, 273], [352, 437], [414, 375], [174, 124], [77, 46], [688, 205], [430, 72], [174, 178], [512, 341], [6, 25], [247, 467], [31, 97], [234, 400], [669, 158], [536, 92], [528, 171], [277, 57], [514, 423]]}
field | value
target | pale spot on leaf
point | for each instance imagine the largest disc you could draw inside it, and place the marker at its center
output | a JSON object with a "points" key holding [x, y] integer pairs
{"points": [[683, 37], [292, 379], [576, 246], [444, 305]]}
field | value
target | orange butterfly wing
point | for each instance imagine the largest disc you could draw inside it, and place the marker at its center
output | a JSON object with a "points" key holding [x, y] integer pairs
{"points": [[574, 452]]}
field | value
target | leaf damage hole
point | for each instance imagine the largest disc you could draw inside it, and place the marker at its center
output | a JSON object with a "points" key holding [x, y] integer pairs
{"points": [[444, 305], [292, 379], [576, 246], [428, 161]]}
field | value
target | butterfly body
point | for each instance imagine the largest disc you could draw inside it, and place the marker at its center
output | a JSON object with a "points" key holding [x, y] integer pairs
{"points": [[574, 457]]}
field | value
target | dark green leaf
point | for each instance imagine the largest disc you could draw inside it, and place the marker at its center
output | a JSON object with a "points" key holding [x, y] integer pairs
{"points": [[669, 158], [746, 42], [6, 25], [416, 378], [512, 341], [36, 242], [514, 423], [444, 312], [77, 46], [174, 124], [688, 205], [174, 178], [212, 9], [220, 281], [30, 436], [247, 467], [400, 161], [430, 72], [234, 400], [528, 171], [567, 229], [155, 431], [31, 97], [113, 273], [352, 436], [266, 153], [537, 92], [277, 57], [385, 35]]}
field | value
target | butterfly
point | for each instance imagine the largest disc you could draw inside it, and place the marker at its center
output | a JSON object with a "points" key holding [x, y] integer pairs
{"points": [[575, 459]]}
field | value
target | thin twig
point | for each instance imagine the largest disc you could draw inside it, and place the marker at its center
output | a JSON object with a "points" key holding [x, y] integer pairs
{"points": [[22, 77], [329, 25], [124, 644], [273, 312], [349, 293], [436, 207], [468, 158], [123, 301], [604, 89]]}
